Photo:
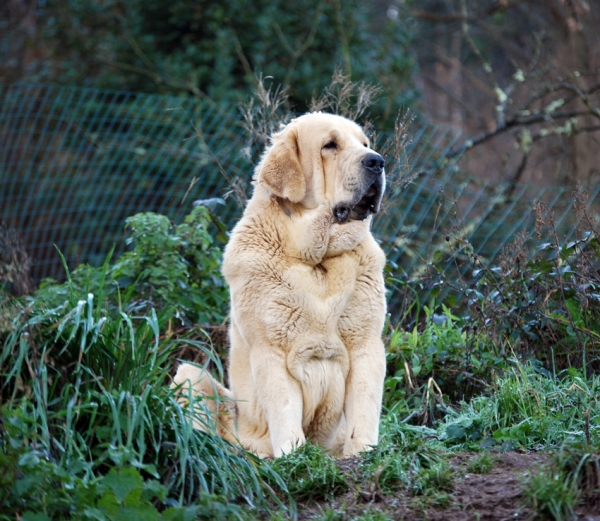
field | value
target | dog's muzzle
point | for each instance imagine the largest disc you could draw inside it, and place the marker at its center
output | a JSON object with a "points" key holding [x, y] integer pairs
{"points": [[368, 197]]}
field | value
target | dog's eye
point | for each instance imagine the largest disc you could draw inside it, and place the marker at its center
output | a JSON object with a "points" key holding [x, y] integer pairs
{"points": [[365, 145], [332, 145]]}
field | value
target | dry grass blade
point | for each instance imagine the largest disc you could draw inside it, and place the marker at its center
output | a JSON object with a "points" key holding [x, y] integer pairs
{"points": [[263, 115], [346, 97]]}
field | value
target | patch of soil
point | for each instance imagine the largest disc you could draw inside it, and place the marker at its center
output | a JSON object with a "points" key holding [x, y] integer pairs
{"points": [[495, 496]]}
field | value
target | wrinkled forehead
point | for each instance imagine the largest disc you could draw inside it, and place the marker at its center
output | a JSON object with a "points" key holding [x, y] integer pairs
{"points": [[327, 126]]}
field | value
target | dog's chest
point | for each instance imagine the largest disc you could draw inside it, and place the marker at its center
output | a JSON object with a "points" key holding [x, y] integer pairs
{"points": [[329, 284], [315, 298]]}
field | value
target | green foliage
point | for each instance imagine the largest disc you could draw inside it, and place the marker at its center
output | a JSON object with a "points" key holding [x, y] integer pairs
{"points": [[520, 360], [437, 478], [37, 488], [87, 407], [310, 474], [570, 478], [528, 409], [433, 485], [482, 463], [216, 51], [442, 355], [551, 495], [402, 453], [170, 266], [177, 263], [547, 306]]}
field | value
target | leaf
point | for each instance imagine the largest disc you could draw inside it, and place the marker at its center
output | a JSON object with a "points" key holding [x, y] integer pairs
{"points": [[181, 514], [35, 516], [154, 488], [455, 431], [138, 513], [123, 482], [95, 513], [595, 245], [488, 441]]}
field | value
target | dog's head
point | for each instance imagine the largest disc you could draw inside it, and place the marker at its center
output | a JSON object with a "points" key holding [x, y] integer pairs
{"points": [[320, 158]]}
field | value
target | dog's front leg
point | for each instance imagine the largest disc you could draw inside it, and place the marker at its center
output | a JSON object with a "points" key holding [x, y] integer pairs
{"points": [[364, 392], [280, 396]]}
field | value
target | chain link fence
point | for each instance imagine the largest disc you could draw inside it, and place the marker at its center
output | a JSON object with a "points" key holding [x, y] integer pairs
{"points": [[75, 162]]}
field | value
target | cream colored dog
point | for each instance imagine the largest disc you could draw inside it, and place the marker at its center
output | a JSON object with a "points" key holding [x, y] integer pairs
{"points": [[307, 297]]}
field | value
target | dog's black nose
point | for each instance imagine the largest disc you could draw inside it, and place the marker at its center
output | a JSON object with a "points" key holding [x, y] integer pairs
{"points": [[373, 162]]}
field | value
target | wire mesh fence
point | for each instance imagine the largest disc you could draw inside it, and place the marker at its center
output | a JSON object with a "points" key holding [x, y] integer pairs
{"points": [[75, 162]]}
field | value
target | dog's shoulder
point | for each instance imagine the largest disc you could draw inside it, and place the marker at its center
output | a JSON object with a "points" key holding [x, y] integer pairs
{"points": [[255, 240]]}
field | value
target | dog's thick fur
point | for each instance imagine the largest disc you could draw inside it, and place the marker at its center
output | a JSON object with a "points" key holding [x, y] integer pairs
{"points": [[307, 297]]}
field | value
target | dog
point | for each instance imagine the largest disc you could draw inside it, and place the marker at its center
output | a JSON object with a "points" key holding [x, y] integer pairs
{"points": [[306, 359]]}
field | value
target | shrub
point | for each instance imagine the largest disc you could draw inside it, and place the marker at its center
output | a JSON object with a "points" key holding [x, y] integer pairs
{"points": [[441, 358], [174, 266]]}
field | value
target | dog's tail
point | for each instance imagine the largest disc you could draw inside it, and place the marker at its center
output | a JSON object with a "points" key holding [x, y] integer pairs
{"points": [[192, 380]]}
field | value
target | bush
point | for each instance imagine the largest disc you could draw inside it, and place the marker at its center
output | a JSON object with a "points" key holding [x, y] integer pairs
{"points": [[171, 266], [216, 51]]}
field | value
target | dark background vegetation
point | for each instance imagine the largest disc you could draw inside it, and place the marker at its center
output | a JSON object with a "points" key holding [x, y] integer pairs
{"points": [[491, 69]]}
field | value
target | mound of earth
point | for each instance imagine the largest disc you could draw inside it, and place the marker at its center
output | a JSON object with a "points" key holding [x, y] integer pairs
{"points": [[495, 496]]}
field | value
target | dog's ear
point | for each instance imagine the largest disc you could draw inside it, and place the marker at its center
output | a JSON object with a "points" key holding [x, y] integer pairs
{"points": [[280, 170]]}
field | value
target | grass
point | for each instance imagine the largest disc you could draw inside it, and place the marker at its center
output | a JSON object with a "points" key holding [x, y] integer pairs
{"points": [[85, 395], [552, 495], [87, 413], [311, 475], [481, 464], [437, 478], [90, 429]]}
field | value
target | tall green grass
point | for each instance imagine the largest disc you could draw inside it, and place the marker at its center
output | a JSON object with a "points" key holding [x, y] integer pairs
{"points": [[85, 391], [528, 409]]}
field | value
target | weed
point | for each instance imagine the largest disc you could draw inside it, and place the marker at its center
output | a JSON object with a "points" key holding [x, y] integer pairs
{"points": [[551, 494], [441, 360], [482, 463], [32, 483], [403, 451], [437, 478], [170, 266], [527, 409], [580, 463], [546, 305], [310, 474]]}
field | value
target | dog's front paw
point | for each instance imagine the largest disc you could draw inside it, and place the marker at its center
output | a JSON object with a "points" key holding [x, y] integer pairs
{"points": [[346, 237], [265, 456], [288, 446], [355, 446]]}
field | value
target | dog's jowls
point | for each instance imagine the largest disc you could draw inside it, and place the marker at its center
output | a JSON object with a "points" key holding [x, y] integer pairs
{"points": [[307, 298]]}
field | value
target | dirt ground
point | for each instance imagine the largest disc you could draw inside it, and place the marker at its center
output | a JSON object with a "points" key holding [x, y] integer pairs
{"points": [[495, 496]]}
